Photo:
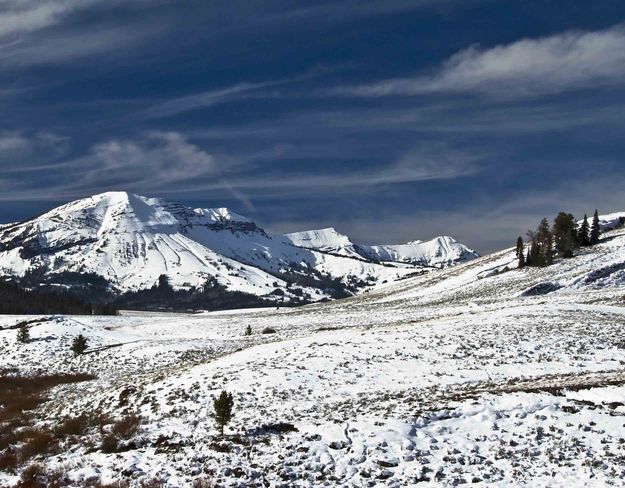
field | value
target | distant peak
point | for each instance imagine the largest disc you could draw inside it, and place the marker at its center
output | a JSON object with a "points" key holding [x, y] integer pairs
{"points": [[326, 238]]}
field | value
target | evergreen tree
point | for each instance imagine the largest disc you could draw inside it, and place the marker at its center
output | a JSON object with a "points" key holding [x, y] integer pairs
{"points": [[520, 252], [595, 230], [248, 330], [534, 253], [548, 251], [223, 409], [583, 236], [565, 234], [79, 344], [545, 240], [519, 246], [23, 334], [164, 283]]}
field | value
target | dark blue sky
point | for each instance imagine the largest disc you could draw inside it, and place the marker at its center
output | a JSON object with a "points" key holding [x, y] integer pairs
{"points": [[391, 120]]}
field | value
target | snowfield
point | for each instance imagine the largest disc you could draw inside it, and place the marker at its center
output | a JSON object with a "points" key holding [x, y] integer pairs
{"points": [[480, 373]]}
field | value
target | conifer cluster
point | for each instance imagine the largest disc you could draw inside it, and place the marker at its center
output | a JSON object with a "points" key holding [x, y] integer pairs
{"points": [[561, 239]]}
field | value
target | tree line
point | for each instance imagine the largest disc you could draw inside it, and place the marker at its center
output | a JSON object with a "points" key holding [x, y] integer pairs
{"points": [[561, 239], [16, 300]]}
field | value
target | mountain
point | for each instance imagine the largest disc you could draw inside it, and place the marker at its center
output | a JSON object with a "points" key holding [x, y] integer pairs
{"points": [[122, 242], [439, 252]]}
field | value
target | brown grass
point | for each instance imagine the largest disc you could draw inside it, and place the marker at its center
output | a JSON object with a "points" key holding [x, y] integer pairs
{"points": [[20, 439], [153, 483], [114, 484], [38, 443], [33, 476], [127, 427], [82, 424], [8, 461], [21, 393], [202, 483]]}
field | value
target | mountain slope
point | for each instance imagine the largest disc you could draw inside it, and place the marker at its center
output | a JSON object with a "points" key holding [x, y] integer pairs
{"points": [[130, 240]]}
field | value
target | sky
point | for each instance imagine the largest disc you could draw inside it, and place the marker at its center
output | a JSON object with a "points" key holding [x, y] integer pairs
{"points": [[390, 121]]}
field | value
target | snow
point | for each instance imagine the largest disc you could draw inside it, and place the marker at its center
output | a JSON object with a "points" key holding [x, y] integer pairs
{"points": [[450, 377], [131, 240], [440, 251]]}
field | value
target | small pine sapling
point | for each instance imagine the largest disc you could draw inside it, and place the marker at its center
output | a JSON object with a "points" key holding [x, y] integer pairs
{"points": [[23, 334], [223, 409], [248, 330], [79, 345]]}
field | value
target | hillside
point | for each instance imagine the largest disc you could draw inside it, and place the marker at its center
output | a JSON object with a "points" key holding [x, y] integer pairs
{"points": [[118, 242], [474, 373]]}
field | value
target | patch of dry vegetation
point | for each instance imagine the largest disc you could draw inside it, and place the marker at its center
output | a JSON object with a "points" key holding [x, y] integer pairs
{"points": [[26, 440]]}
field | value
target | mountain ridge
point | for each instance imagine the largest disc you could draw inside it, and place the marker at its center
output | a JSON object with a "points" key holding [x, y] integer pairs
{"points": [[131, 241]]}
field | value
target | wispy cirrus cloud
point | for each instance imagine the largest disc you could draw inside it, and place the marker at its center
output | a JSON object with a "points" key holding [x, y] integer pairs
{"points": [[40, 32], [168, 163], [238, 91], [525, 68], [20, 17], [24, 149]]}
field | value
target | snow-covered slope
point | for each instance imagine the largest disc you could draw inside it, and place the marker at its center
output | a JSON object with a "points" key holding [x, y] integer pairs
{"points": [[131, 240], [450, 378], [440, 251], [611, 221]]}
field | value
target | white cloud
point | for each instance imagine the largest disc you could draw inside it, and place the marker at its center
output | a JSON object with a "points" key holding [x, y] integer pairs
{"points": [[160, 158], [27, 148], [156, 162], [237, 91], [426, 163], [168, 163], [12, 142], [528, 67], [19, 17], [36, 32]]}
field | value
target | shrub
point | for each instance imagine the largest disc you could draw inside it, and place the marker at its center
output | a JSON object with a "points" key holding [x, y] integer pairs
{"points": [[127, 427], [109, 444], [202, 483], [114, 484], [33, 476], [153, 483], [269, 330], [123, 429], [81, 424], [280, 427], [8, 461], [39, 442]]}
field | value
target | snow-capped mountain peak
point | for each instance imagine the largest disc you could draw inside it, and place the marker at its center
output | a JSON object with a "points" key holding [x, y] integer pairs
{"points": [[440, 251], [130, 240]]}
